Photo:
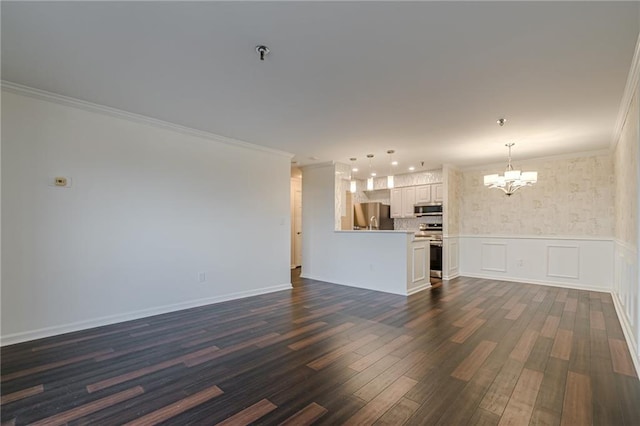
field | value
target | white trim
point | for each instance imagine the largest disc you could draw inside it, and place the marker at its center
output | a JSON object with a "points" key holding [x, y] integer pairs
{"points": [[450, 277], [539, 237], [625, 245], [24, 336], [425, 268], [419, 288], [504, 261], [540, 282], [138, 118], [549, 274], [326, 281], [454, 250], [627, 96], [626, 330], [317, 165]]}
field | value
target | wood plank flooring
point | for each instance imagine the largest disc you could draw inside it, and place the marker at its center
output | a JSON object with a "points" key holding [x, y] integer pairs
{"points": [[468, 351]]}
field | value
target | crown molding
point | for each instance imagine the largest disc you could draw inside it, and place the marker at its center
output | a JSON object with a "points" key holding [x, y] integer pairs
{"points": [[318, 165], [137, 118], [627, 96]]}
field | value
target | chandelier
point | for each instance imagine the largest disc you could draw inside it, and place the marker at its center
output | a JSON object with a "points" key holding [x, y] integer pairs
{"points": [[512, 179]]}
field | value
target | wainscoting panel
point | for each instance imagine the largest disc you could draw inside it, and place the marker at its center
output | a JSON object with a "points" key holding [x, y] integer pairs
{"points": [[567, 262], [563, 261], [494, 257], [420, 269], [450, 257], [625, 295]]}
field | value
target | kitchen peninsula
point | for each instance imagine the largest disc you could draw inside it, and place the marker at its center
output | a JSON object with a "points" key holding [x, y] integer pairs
{"points": [[383, 260], [395, 256]]}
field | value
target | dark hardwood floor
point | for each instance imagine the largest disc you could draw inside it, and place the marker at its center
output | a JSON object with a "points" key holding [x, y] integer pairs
{"points": [[468, 351]]}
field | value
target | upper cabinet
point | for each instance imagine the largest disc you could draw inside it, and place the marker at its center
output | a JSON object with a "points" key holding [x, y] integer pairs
{"points": [[437, 192], [396, 202], [429, 193], [402, 201], [423, 194], [408, 200]]}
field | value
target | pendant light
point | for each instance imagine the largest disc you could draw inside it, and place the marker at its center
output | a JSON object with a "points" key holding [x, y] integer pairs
{"points": [[371, 174], [390, 182], [512, 179], [352, 182]]}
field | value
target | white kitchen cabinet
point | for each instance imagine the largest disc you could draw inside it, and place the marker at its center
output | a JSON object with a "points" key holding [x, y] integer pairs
{"points": [[396, 202], [402, 201], [419, 266], [408, 200], [437, 193], [423, 194], [429, 193]]}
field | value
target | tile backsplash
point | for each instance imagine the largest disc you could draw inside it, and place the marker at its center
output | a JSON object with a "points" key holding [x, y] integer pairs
{"points": [[412, 224]]}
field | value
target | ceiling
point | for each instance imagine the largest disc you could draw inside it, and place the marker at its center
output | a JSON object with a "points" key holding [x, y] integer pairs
{"points": [[343, 79]]}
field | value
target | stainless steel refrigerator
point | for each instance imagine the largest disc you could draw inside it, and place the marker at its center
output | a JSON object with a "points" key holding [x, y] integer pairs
{"points": [[363, 214]]}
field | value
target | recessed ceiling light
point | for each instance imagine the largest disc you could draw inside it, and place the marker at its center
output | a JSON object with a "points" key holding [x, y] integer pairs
{"points": [[394, 163], [355, 169], [314, 158], [373, 173], [412, 168]]}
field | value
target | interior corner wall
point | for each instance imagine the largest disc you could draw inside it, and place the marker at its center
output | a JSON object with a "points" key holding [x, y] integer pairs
{"points": [[154, 220], [626, 285]]}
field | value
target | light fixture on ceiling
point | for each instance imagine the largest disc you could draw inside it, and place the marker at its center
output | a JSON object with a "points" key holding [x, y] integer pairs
{"points": [[262, 51], [352, 181], [512, 179], [371, 174], [390, 177]]}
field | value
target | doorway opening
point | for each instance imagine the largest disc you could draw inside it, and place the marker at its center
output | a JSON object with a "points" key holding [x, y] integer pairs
{"points": [[296, 218]]}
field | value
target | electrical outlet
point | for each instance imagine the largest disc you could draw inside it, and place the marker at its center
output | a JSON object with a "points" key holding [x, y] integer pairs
{"points": [[202, 277]]}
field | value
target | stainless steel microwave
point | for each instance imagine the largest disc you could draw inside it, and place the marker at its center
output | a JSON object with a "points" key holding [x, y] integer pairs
{"points": [[432, 209]]}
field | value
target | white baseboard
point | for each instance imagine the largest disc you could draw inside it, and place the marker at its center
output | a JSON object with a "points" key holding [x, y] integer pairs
{"points": [[628, 334], [350, 285], [418, 288], [528, 281], [25, 336], [451, 277]]}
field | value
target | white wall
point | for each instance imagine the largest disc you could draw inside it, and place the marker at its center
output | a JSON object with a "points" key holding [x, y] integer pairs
{"points": [[373, 260], [149, 209]]}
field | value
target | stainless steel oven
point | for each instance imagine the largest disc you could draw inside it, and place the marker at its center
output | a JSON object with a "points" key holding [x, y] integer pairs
{"points": [[436, 258]]}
